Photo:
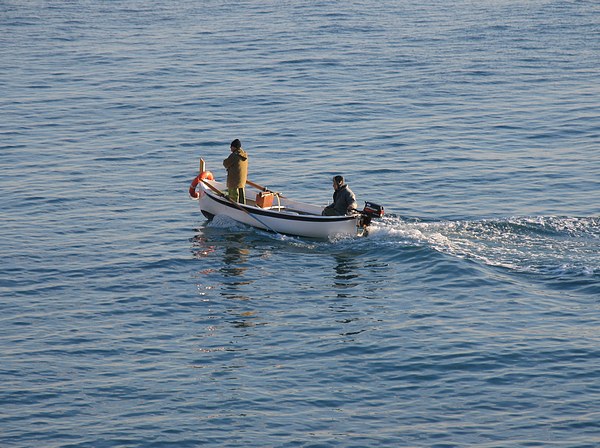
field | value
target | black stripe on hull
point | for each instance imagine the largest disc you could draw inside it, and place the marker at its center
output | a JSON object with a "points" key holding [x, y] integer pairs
{"points": [[278, 215]]}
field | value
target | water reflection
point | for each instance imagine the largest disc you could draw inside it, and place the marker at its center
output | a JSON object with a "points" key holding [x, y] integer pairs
{"points": [[235, 256], [227, 259], [234, 269], [201, 248], [346, 272], [355, 284]]}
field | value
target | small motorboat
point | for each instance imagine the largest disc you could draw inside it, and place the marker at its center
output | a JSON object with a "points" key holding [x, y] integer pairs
{"points": [[277, 213]]}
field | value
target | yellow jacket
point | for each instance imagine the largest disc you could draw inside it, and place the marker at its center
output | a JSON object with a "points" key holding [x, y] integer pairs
{"points": [[237, 168]]}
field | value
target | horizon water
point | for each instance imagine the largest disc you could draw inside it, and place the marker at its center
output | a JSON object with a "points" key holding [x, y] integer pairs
{"points": [[468, 317]]}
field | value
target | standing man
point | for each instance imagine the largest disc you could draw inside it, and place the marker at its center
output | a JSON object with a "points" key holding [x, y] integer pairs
{"points": [[344, 200], [237, 172]]}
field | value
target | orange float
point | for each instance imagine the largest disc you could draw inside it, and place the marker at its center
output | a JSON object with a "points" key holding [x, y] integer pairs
{"points": [[204, 175]]}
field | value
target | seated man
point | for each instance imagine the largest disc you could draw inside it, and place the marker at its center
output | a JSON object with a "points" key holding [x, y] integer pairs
{"points": [[344, 201]]}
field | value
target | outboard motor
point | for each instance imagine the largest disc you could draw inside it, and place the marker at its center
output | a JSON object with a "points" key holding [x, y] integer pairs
{"points": [[370, 211]]}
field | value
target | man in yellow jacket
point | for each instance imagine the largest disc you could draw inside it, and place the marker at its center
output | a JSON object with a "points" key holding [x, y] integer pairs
{"points": [[237, 172]]}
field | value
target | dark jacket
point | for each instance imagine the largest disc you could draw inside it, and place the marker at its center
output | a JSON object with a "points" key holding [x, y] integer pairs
{"points": [[343, 200], [237, 168]]}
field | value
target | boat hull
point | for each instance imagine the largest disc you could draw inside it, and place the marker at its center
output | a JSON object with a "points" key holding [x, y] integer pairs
{"points": [[287, 217]]}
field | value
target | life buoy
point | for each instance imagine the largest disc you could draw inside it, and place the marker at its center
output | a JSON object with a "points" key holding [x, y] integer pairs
{"points": [[204, 175]]}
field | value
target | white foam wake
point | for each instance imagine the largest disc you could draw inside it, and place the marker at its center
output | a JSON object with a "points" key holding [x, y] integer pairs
{"points": [[549, 245]]}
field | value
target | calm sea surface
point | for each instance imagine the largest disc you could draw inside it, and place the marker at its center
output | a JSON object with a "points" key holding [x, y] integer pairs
{"points": [[470, 316]]}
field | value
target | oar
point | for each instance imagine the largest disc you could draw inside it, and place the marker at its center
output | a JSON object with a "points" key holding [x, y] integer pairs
{"points": [[260, 187], [220, 193]]}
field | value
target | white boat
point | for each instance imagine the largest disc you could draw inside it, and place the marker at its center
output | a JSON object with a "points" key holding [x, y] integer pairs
{"points": [[277, 213]]}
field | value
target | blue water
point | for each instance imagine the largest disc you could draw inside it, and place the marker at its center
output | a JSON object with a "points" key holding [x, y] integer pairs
{"points": [[470, 316]]}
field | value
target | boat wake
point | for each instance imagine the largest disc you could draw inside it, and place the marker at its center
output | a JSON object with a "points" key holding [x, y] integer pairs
{"points": [[548, 245]]}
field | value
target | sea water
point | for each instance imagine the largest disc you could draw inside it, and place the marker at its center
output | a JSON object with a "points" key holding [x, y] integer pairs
{"points": [[468, 317]]}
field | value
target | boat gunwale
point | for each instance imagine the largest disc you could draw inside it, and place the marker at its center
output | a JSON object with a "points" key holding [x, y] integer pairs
{"points": [[278, 214]]}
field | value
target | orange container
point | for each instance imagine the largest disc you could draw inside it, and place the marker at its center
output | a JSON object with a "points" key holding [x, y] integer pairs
{"points": [[264, 199]]}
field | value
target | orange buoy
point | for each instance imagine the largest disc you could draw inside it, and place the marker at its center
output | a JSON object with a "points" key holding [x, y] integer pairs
{"points": [[207, 175], [204, 175]]}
